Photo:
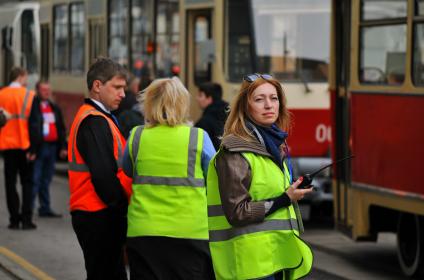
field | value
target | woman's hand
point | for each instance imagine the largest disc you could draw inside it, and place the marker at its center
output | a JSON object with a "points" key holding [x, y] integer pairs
{"points": [[296, 194]]}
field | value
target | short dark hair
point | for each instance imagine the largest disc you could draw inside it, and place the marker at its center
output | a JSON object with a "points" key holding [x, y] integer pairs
{"points": [[104, 69], [212, 89], [15, 72], [39, 82]]}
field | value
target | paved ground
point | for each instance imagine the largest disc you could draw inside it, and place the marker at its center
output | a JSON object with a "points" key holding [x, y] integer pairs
{"points": [[52, 251], [52, 248]]}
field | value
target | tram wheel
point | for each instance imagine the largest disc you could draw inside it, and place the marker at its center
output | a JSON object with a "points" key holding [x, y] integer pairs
{"points": [[410, 244]]}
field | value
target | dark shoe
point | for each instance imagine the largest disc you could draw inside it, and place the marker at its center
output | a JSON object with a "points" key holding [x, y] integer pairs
{"points": [[28, 226], [13, 226], [50, 215]]}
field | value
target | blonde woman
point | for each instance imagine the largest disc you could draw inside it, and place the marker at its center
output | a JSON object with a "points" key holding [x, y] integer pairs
{"points": [[167, 217], [253, 226]]}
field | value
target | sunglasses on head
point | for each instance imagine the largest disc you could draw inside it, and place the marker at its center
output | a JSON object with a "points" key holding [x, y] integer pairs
{"points": [[253, 77]]}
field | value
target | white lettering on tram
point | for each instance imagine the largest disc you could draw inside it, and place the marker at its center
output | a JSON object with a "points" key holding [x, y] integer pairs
{"points": [[323, 133]]}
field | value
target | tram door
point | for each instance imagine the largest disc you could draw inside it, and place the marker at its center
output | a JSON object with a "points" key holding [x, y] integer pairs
{"points": [[45, 47], [6, 58], [199, 54], [341, 28]]}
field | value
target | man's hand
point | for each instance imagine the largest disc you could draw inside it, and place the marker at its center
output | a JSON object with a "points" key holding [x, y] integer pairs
{"points": [[63, 153], [30, 156], [4, 117], [5, 113]]}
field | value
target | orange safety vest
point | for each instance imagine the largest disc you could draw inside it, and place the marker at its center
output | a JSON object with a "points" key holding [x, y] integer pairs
{"points": [[17, 101], [83, 195]]}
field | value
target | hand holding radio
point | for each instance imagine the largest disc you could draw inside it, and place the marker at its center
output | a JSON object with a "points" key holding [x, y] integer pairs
{"points": [[307, 178], [295, 193]]}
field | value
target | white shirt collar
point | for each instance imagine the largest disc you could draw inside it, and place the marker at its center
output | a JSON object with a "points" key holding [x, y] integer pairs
{"points": [[15, 84], [98, 103]]}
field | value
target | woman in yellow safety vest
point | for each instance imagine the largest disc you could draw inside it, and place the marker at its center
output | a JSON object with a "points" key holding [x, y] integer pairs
{"points": [[167, 159], [254, 222]]}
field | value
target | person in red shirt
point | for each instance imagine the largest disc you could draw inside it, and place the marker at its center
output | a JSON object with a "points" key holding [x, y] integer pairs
{"points": [[48, 139]]}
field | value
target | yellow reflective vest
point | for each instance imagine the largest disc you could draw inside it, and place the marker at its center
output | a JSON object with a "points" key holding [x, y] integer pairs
{"points": [[169, 193], [261, 249]]}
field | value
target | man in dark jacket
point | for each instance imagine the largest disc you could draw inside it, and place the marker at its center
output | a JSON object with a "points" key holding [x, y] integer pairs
{"points": [[214, 115], [98, 185], [48, 138]]}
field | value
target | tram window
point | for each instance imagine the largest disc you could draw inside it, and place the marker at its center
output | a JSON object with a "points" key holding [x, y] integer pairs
{"points": [[381, 9], [239, 41], [383, 53], [29, 43], [419, 10], [418, 66], [289, 39], [142, 13], [201, 37], [118, 31], [96, 40], [60, 38], [167, 39], [77, 35]]}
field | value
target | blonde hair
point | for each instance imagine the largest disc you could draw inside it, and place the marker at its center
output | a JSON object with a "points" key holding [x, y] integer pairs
{"points": [[239, 113], [166, 101]]}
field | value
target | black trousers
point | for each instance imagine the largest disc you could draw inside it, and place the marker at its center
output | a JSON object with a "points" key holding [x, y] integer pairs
{"points": [[165, 258], [101, 236], [15, 162]]}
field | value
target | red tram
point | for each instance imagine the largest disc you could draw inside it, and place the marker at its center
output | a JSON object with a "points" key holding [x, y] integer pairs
{"points": [[377, 87]]}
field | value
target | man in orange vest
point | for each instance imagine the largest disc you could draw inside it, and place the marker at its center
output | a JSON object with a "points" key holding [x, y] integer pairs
{"points": [[14, 142], [97, 183]]}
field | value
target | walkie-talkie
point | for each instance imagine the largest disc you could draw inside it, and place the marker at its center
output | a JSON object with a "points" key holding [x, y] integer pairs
{"points": [[307, 178]]}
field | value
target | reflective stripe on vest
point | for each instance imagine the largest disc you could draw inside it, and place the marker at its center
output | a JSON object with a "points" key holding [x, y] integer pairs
{"points": [[82, 167], [190, 181], [227, 234], [21, 115]]}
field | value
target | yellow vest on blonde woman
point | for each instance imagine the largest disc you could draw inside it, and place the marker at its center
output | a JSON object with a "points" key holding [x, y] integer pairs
{"points": [[169, 193], [261, 249]]}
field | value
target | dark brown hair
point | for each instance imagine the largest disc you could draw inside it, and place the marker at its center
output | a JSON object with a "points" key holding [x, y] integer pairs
{"points": [[104, 69], [16, 72]]}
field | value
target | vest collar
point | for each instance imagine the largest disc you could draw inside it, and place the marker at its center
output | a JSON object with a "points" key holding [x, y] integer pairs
{"points": [[15, 85], [236, 144], [99, 104]]}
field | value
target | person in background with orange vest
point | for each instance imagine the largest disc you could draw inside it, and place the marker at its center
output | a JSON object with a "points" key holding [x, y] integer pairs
{"points": [[48, 139], [16, 99], [97, 183]]}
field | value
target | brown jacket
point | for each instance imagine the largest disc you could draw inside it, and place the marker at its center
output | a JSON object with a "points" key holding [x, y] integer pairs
{"points": [[234, 177]]}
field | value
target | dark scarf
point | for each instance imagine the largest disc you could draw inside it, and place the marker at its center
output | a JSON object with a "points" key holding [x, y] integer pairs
{"points": [[272, 137]]}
